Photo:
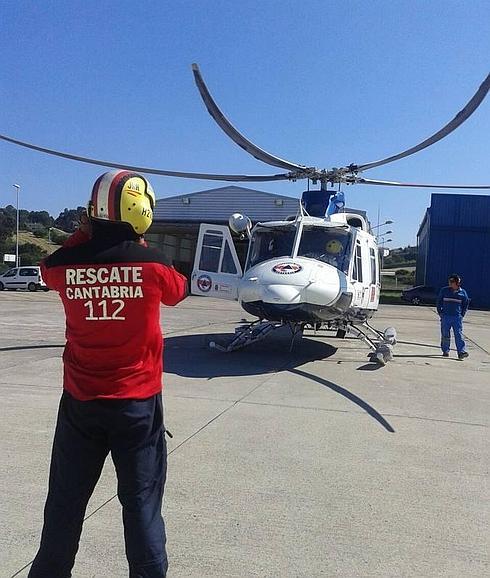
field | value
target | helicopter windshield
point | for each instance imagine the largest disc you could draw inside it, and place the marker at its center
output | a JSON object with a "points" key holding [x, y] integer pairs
{"points": [[270, 243], [332, 246]]}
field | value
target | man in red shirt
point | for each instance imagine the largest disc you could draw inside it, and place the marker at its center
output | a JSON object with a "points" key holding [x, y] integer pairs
{"points": [[111, 285]]}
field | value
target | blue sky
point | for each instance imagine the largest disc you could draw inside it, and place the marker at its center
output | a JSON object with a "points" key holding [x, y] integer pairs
{"points": [[322, 83]]}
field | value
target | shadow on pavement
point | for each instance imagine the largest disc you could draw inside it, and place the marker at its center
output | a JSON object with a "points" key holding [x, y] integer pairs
{"points": [[348, 395], [408, 356], [372, 366], [190, 356]]}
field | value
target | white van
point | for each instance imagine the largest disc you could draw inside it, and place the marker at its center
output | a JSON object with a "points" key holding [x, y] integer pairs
{"points": [[23, 278]]}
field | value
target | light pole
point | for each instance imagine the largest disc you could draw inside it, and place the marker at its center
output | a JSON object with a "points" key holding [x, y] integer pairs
{"points": [[381, 224], [17, 187], [379, 234], [383, 250]]}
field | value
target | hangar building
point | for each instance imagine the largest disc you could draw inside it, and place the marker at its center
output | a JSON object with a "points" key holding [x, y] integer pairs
{"points": [[454, 237]]}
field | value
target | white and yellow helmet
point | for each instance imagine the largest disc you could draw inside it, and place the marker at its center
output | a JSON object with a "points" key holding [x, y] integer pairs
{"points": [[334, 247], [123, 197]]}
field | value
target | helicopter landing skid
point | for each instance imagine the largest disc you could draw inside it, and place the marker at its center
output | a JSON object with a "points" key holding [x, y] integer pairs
{"points": [[254, 332], [381, 342]]}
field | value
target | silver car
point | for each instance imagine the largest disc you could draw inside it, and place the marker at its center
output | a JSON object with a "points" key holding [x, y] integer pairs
{"points": [[23, 278]]}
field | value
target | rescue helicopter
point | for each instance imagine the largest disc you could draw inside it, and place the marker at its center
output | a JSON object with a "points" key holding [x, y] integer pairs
{"points": [[319, 268]]}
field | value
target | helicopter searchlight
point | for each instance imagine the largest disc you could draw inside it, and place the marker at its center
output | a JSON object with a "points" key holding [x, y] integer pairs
{"points": [[240, 225]]}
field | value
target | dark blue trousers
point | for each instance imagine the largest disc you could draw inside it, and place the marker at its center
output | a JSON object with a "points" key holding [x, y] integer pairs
{"points": [[86, 431]]}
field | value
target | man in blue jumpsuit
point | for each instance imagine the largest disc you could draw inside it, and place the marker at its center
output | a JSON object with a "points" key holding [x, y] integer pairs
{"points": [[452, 305]]}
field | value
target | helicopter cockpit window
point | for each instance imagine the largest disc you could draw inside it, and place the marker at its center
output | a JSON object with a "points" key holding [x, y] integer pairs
{"points": [[357, 268], [228, 265], [374, 266], [211, 252], [270, 243], [331, 246]]}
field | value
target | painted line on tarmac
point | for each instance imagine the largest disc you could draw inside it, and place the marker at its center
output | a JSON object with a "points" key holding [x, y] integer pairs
{"points": [[33, 385], [476, 344], [330, 410]]}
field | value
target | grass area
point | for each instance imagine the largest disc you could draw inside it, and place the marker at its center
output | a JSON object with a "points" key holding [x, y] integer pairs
{"points": [[28, 237], [389, 285], [407, 268], [388, 264], [391, 297]]}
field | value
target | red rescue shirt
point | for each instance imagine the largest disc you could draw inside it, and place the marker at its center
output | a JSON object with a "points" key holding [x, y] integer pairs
{"points": [[112, 295]]}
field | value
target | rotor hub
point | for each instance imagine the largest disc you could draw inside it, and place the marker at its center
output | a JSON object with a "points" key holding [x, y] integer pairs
{"points": [[331, 176]]}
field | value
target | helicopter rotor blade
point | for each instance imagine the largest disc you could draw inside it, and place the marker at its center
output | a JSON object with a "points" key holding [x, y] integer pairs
{"points": [[361, 181], [148, 170], [462, 115], [233, 133]]}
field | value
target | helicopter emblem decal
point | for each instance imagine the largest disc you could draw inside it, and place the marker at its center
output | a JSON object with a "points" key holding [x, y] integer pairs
{"points": [[287, 268], [204, 283]]}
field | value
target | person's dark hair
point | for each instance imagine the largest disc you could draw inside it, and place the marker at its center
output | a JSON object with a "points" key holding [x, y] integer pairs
{"points": [[455, 278]]}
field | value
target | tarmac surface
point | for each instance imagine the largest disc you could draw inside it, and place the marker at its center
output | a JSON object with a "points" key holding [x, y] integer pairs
{"points": [[302, 464]]}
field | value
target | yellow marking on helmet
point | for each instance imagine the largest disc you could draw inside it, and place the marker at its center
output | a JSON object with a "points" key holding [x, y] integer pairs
{"points": [[136, 204]]}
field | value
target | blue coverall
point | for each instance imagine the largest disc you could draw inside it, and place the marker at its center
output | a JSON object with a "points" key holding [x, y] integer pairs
{"points": [[452, 307]]}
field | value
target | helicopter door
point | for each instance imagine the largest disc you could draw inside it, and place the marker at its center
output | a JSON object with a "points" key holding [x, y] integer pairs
{"points": [[375, 286], [361, 273], [217, 270]]}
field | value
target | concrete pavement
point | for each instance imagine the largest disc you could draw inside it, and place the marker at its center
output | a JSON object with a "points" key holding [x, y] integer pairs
{"points": [[303, 464]]}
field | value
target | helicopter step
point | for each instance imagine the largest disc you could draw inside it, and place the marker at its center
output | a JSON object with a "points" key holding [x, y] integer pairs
{"points": [[248, 334], [381, 342]]}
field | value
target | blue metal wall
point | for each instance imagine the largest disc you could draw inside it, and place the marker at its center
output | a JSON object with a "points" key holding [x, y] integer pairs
{"points": [[422, 249], [455, 238]]}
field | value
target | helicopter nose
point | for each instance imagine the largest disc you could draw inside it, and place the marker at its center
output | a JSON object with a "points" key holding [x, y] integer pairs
{"points": [[324, 285], [281, 294]]}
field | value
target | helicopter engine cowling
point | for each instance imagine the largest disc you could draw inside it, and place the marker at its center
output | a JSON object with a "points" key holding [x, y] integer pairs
{"points": [[293, 289]]}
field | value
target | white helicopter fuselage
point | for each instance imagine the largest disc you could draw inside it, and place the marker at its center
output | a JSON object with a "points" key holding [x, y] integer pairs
{"points": [[293, 289], [308, 270]]}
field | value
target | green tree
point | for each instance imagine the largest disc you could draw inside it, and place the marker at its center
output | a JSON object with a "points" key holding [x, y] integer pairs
{"points": [[41, 217], [30, 254], [68, 219], [402, 256], [58, 237], [7, 225]]}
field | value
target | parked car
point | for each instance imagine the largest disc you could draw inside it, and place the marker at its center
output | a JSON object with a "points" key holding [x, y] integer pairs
{"points": [[23, 278], [420, 294]]}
